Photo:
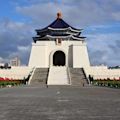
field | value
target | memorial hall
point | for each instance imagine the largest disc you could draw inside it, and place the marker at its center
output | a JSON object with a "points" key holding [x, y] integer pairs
{"points": [[59, 56]]}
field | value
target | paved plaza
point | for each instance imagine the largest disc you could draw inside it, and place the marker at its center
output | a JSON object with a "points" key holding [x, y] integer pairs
{"points": [[59, 103]]}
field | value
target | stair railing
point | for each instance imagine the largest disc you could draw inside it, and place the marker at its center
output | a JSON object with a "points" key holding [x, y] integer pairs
{"points": [[32, 73], [69, 77], [86, 75]]}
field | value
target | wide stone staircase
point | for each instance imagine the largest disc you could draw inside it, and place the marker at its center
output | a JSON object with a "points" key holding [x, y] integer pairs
{"points": [[78, 76], [58, 75], [40, 76]]}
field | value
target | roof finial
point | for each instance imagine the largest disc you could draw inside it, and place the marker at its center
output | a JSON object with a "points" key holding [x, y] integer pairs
{"points": [[59, 15]]}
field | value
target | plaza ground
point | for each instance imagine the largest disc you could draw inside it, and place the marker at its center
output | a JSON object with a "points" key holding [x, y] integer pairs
{"points": [[59, 103]]}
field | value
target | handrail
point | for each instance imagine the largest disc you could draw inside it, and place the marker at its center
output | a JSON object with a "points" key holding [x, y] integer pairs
{"points": [[32, 73], [86, 75], [69, 77]]}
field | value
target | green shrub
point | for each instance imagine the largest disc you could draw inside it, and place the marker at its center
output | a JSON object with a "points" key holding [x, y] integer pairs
{"points": [[107, 83]]}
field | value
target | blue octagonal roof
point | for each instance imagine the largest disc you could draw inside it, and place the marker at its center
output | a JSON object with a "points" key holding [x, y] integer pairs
{"points": [[59, 23]]}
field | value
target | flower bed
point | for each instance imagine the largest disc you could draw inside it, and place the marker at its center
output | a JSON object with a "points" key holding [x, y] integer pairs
{"points": [[107, 83], [6, 82]]}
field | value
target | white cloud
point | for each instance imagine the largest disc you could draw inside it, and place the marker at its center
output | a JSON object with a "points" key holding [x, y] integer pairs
{"points": [[15, 40], [23, 48], [1, 59], [83, 12], [116, 15], [16, 37], [104, 48]]}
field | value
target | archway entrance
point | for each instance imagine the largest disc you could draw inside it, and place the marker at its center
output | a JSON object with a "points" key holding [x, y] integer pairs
{"points": [[59, 58]]}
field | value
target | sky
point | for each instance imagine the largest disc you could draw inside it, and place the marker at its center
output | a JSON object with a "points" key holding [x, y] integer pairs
{"points": [[99, 19]]}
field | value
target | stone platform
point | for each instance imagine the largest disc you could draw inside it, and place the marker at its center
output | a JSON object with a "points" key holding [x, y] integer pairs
{"points": [[59, 103]]}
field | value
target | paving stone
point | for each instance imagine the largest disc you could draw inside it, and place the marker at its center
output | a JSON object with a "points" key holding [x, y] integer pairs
{"points": [[59, 103]]}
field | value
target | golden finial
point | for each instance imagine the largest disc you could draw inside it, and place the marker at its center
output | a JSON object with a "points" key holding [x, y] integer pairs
{"points": [[59, 15]]}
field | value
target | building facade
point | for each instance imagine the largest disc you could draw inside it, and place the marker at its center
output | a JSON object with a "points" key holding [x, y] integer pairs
{"points": [[60, 57], [59, 44], [15, 62]]}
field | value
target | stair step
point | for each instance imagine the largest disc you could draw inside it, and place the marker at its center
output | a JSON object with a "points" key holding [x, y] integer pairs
{"points": [[40, 76], [78, 76], [58, 76]]}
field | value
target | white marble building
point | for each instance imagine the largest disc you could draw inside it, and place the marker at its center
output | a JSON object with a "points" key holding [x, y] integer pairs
{"points": [[59, 56], [62, 43]]}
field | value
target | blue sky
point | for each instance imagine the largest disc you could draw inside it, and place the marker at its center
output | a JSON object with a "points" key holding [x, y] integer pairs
{"points": [[100, 20]]}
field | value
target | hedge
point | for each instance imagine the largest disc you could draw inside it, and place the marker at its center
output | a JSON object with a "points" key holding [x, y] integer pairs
{"points": [[11, 82], [107, 83]]}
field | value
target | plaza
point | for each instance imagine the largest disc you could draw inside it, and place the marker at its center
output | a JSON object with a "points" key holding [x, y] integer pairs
{"points": [[59, 103]]}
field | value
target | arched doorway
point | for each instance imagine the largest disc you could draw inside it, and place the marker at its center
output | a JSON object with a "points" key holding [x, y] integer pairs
{"points": [[59, 58]]}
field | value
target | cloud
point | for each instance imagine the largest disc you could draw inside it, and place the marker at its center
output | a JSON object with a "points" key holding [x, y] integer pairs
{"points": [[99, 16], [23, 48], [23, 52], [104, 48], [15, 40], [83, 12], [116, 15], [1, 59]]}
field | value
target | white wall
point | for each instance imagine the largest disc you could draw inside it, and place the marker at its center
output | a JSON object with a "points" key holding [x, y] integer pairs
{"points": [[38, 56], [102, 72], [16, 72], [75, 52], [80, 56]]}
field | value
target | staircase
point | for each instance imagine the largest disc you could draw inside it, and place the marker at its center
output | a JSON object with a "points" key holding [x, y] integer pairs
{"points": [[78, 76], [40, 76], [58, 76]]}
